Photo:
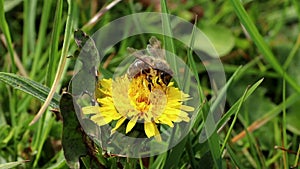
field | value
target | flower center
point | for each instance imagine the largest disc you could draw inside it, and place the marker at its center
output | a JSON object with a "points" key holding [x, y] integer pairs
{"points": [[143, 92]]}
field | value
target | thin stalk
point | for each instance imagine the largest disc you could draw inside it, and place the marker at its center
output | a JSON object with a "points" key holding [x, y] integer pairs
{"points": [[284, 136]]}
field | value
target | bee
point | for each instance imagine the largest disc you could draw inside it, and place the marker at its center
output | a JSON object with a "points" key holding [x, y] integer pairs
{"points": [[152, 64]]}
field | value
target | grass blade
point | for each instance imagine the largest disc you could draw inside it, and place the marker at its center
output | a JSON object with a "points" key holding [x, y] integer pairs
{"points": [[234, 157], [260, 43], [174, 155], [5, 29], [30, 87], [214, 107], [233, 108], [233, 121], [53, 53], [41, 37], [268, 116], [168, 41], [62, 61], [11, 164], [297, 157]]}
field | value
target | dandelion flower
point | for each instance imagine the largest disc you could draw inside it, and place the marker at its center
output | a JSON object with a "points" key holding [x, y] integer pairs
{"points": [[143, 95], [125, 98]]}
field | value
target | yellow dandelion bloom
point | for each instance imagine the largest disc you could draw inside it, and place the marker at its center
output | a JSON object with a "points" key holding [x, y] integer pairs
{"points": [[139, 100]]}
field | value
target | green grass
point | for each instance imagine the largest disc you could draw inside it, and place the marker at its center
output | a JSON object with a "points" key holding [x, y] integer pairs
{"points": [[261, 61]]}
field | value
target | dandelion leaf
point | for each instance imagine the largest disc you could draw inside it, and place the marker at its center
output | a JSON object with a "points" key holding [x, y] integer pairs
{"points": [[72, 136]]}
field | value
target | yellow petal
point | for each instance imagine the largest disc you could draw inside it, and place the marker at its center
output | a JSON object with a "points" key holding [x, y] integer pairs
{"points": [[187, 108], [157, 134], [101, 120], [184, 116], [132, 113], [171, 111], [106, 109], [105, 101], [106, 83], [115, 116], [131, 124], [149, 129], [90, 110], [119, 123], [165, 120], [173, 103]]}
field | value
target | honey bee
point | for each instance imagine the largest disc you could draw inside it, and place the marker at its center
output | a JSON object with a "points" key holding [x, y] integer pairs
{"points": [[152, 63]]}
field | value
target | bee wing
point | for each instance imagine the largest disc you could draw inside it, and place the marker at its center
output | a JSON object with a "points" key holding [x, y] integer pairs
{"points": [[141, 56], [154, 48], [155, 43], [158, 99]]}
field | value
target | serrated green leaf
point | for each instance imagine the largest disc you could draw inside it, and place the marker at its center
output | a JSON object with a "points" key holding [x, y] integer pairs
{"points": [[76, 144], [85, 79], [72, 137], [30, 87]]}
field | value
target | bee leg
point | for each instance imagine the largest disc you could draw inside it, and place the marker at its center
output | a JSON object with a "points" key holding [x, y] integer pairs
{"points": [[149, 87], [157, 81], [150, 83], [149, 78]]}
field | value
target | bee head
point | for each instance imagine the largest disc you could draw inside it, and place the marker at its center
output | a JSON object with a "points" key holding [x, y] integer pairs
{"points": [[165, 77]]}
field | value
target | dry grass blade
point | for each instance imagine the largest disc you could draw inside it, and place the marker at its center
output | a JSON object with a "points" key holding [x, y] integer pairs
{"points": [[96, 18]]}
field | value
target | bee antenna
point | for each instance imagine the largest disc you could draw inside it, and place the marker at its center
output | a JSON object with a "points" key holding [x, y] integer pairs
{"points": [[154, 42]]}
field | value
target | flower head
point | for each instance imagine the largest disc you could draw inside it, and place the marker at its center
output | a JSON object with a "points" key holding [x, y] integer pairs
{"points": [[139, 100]]}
